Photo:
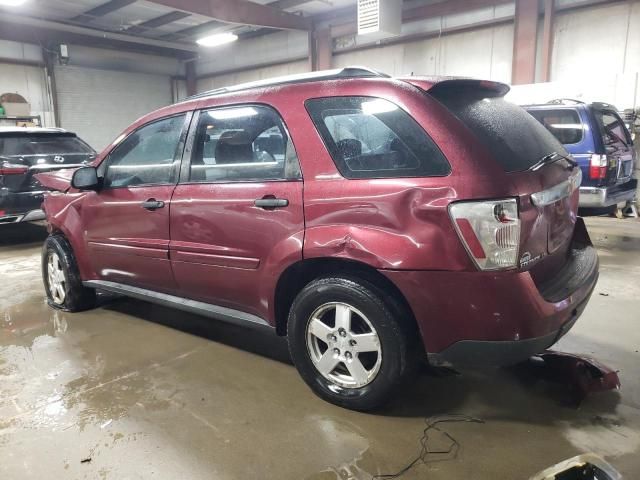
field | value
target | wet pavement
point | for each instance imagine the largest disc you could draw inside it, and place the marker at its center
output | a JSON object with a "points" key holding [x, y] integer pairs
{"points": [[131, 390]]}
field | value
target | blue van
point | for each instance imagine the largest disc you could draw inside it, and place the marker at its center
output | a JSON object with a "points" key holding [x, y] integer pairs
{"points": [[598, 140]]}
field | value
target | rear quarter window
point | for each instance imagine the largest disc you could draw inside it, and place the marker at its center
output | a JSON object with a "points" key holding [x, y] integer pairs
{"points": [[373, 138], [564, 124]]}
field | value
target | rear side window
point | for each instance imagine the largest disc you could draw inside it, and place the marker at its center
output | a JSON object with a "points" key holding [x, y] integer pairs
{"points": [[242, 144], [515, 139], [374, 138], [564, 124]]}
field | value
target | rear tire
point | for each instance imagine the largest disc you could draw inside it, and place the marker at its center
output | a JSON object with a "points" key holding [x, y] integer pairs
{"points": [[346, 342], [61, 277]]}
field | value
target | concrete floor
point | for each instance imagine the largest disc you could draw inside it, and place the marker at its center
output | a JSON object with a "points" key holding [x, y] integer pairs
{"points": [[147, 392]]}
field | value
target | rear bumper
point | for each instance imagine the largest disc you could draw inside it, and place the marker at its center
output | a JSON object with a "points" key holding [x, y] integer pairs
{"points": [[501, 317], [599, 197], [21, 206]]}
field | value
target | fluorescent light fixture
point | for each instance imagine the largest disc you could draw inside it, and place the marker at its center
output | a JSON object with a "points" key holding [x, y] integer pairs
{"points": [[11, 3], [379, 105], [233, 113], [216, 39]]}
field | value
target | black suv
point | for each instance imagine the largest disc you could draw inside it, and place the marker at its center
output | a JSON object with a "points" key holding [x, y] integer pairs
{"points": [[25, 152]]}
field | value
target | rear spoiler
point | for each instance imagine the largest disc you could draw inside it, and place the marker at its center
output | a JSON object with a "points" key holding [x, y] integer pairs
{"points": [[443, 85]]}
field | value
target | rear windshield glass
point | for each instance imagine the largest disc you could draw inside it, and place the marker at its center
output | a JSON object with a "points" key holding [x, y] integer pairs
{"points": [[374, 138], [564, 124], [515, 139], [23, 145]]}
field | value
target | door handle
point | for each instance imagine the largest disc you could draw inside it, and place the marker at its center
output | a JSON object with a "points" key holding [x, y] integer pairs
{"points": [[152, 204], [271, 202]]}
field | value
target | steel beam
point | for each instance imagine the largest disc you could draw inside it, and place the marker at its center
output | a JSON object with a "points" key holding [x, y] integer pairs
{"points": [[524, 42], [191, 80], [115, 39], [449, 7], [323, 49], [242, 12], [547, 40]]}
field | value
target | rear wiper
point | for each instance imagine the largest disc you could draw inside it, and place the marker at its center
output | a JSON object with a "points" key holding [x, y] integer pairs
{"points": [[552, 158]]}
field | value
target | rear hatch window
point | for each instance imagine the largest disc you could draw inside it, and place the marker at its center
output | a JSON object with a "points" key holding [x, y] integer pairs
{"points": [[515, 139], [564, 124], [45, 148]]}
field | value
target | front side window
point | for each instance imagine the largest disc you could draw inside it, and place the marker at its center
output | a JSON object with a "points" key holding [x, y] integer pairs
{"points": [[149, 156], [565, 124], [374, 138], [242, 144]]}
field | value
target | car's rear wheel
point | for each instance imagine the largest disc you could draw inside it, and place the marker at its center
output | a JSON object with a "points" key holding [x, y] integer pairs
{"points": [[347, 343], [61, 277]]}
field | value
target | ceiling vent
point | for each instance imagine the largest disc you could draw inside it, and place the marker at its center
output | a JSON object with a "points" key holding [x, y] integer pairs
{"points": [[379, 16]]}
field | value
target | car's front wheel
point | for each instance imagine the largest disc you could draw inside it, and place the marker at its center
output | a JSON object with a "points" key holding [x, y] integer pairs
{"points": [[347, 343], [61, 277]]}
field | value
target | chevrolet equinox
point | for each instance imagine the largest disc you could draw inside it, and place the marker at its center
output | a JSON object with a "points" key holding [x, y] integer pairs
{"points": [[372, 220]]}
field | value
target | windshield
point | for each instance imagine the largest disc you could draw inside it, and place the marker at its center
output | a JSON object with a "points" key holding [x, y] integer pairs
{"points": [[516, 140], [31, 145]]}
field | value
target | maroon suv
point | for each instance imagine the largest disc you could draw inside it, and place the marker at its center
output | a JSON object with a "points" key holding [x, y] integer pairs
{"points": [[369, 219]]}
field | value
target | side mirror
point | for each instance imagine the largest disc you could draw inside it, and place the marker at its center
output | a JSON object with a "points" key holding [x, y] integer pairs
{"points": [[85, 178]]}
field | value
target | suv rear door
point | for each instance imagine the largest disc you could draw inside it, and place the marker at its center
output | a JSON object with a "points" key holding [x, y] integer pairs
{"points": [[616, 142], [236, 216]]}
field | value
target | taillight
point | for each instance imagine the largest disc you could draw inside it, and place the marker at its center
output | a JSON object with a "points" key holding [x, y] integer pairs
{"points": [[12, 169], [598, 167], [489, 230]]}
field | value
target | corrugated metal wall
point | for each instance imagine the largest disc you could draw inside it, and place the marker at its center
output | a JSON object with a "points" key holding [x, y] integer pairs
{"points": [[251, 75], [483, 53], [99, 104]]}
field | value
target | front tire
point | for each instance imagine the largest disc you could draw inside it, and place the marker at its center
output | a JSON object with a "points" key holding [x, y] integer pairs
{"points": [[347, 343], [61, 277]]}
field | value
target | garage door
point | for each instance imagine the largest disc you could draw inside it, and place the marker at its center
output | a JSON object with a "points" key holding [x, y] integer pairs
{"points": [[99, 104]]}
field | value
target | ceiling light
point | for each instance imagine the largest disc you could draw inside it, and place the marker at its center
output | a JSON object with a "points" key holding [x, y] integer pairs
{"points": [[216, 39], [11, 3]]}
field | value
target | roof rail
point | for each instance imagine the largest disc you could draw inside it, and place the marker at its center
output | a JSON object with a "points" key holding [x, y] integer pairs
{"points": [[337, 74], [565, 101]]}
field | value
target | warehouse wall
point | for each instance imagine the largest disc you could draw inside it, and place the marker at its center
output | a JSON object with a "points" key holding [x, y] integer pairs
{"points": [[596, 52], [98, 104], [28, 81], [596, 57], [100, 92], [253, 74], [484, 53]]}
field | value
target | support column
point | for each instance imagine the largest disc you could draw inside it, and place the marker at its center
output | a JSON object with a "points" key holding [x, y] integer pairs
{"points": [[191, 80], [547, 40], [320, 49], [524, 42]]}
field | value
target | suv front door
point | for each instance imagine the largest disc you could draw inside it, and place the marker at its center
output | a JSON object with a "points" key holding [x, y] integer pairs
{"points": [[237, 214], [127, 220]]}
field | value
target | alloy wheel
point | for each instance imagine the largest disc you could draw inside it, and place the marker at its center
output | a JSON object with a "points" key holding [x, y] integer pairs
{"points": [[343, 345], [56, 278]]}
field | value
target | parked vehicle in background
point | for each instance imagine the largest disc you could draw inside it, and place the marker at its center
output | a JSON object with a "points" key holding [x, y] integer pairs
{"points": [[25, 152], [436, 220], [599, 141]]}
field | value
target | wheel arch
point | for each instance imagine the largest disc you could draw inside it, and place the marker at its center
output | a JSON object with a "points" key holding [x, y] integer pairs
{"points": [[299, 274]]}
